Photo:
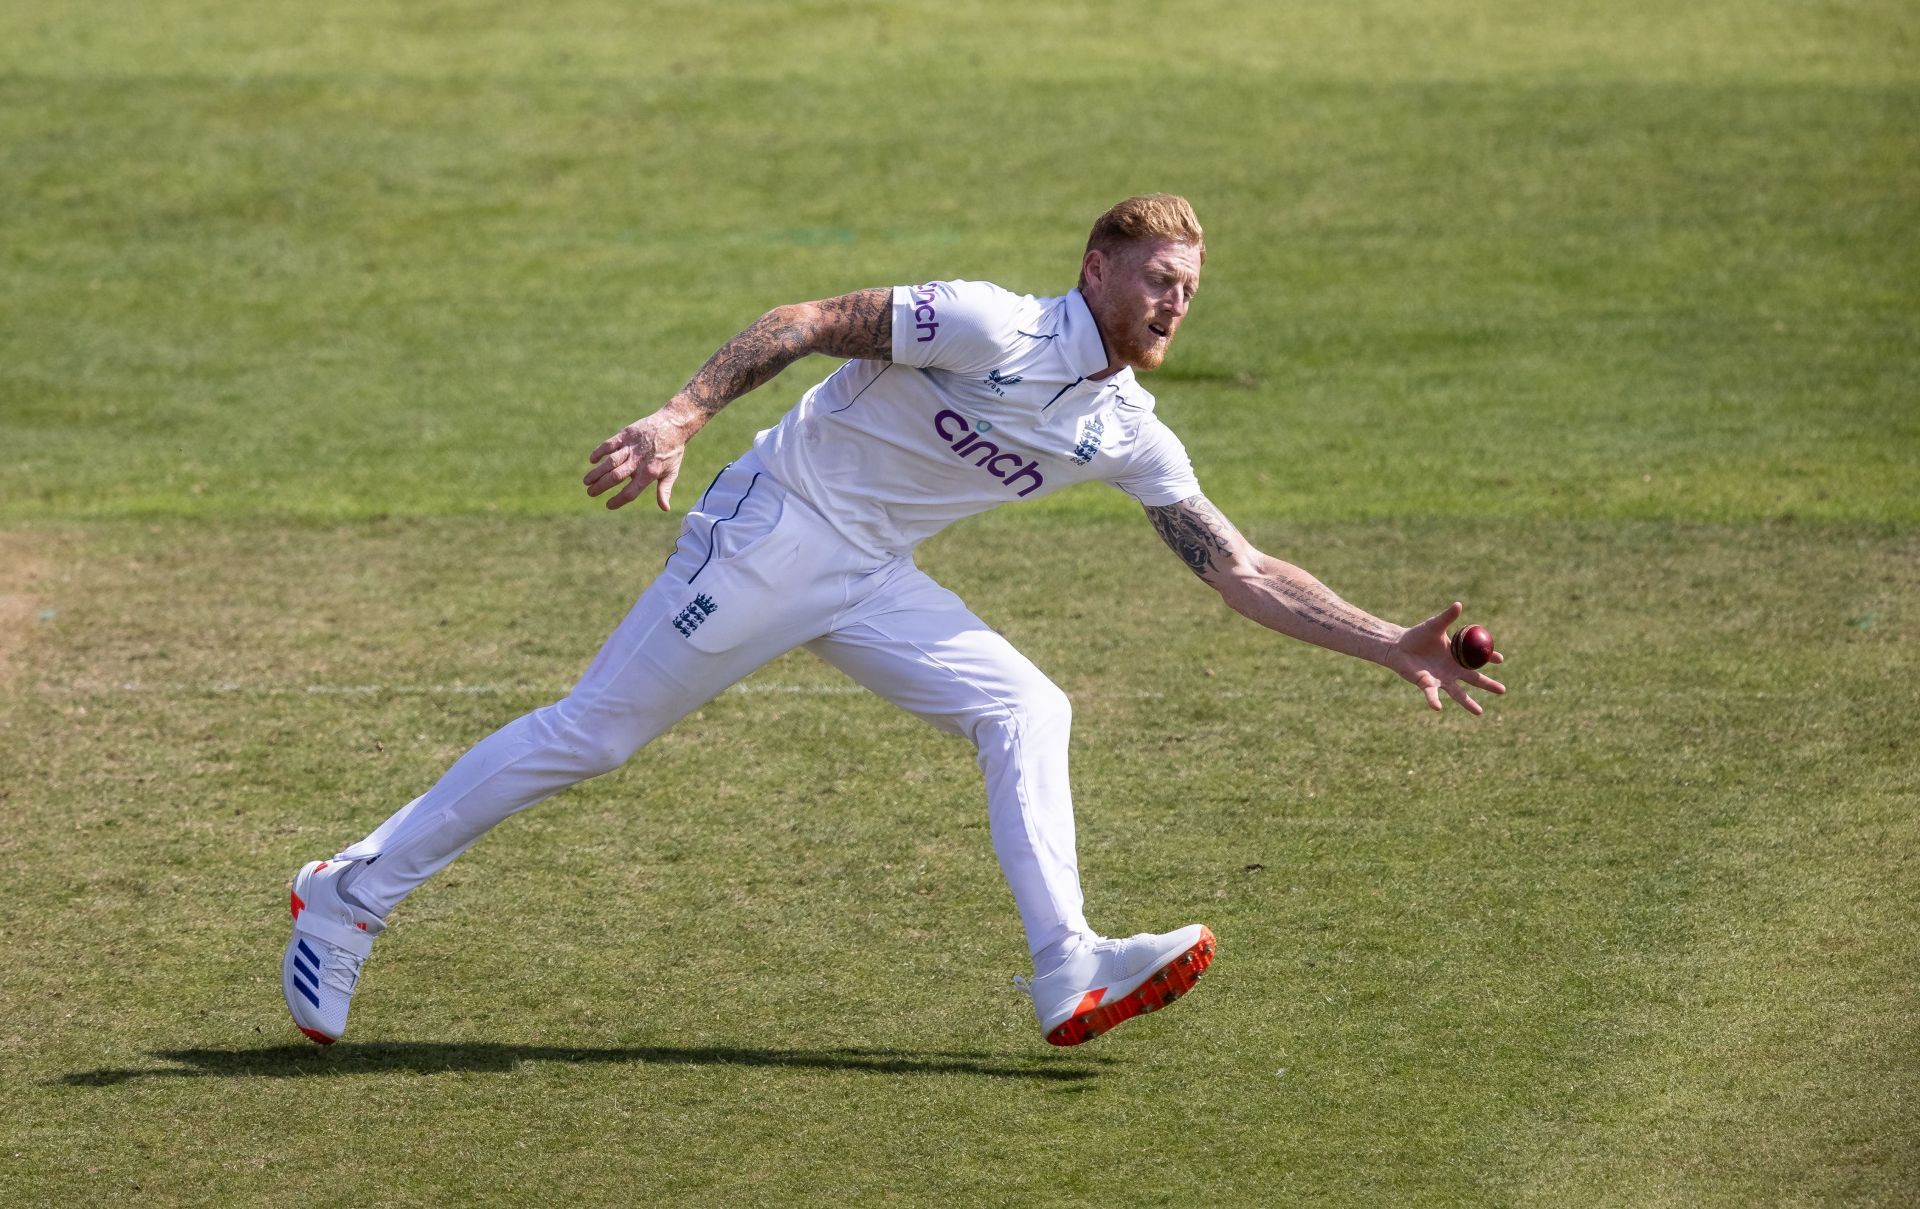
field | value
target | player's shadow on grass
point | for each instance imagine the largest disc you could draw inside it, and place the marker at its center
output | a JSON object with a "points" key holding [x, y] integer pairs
{"points": [[438, 1057]]}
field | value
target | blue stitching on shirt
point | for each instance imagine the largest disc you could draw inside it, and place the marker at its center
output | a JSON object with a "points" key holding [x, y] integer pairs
{"points": [[863, 390], [1063, 390]]}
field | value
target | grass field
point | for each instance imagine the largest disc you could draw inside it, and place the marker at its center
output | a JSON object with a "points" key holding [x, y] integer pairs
{"points": [[1600, 317]]}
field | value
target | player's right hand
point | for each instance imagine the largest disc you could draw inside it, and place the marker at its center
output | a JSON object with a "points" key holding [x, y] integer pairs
{"points": [[1423, 658], [647, 451]]}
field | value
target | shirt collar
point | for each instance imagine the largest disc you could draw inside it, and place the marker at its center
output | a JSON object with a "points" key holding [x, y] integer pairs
{"points": [[1086, 352]]}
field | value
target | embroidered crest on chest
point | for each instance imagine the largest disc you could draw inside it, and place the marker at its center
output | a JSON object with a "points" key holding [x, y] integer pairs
{"points": [[1092, 429]]}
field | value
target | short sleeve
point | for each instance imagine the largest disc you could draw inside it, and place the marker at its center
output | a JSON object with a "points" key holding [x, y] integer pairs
{"points": [[1158, 472], [963, 326]]}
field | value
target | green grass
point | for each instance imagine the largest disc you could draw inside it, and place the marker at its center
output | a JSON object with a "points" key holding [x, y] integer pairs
{"points": [[431, 281], [1600, 317]]}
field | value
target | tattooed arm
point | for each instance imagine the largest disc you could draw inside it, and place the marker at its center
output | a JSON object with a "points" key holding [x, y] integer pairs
{"points": [[1276, 594], [1286, 599], [649, 450], [853, 325]]}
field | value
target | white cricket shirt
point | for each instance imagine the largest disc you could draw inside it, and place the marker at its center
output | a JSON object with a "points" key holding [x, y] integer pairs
{"points": [[986, 401]]}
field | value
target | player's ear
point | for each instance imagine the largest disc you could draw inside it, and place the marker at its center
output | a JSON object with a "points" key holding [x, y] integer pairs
{"points": [[1093, 271]]}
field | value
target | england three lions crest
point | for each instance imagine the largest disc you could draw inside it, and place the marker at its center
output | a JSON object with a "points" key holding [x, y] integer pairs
{"points": [[1091, 430]]}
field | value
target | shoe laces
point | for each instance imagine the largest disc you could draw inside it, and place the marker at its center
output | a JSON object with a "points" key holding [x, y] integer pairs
{"points": [[1024, 985], [340, 971]]}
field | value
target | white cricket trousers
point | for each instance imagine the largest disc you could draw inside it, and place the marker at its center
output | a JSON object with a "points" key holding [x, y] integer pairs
{"points": [[757, 572]]}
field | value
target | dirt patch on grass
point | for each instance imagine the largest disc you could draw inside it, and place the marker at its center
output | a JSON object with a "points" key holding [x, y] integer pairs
{"points": [[21, 570]]}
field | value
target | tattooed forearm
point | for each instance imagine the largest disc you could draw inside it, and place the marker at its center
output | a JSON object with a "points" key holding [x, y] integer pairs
{"points": [[1315, 603], [1196, 531], [1276, 594], [859, 324], [776, 340]]}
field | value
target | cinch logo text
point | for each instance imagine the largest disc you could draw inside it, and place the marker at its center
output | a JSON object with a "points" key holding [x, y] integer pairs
{"points": [[963, 437], [924, 320]]}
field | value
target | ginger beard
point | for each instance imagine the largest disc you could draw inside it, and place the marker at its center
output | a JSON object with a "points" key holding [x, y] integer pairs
{"points": [[1139, 296]]}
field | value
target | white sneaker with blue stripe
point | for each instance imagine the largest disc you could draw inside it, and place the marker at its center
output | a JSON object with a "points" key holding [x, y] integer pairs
{"points": [[331, 938]]}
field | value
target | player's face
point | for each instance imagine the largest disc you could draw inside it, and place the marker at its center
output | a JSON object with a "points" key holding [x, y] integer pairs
{"points": [[1139, 297]]}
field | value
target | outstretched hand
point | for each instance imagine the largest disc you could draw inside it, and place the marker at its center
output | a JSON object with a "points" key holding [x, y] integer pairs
{"points": [[647, 451], [1423, 658]]}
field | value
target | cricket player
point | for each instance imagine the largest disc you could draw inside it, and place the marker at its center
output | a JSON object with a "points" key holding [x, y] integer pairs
{"points": [[954, 397]]}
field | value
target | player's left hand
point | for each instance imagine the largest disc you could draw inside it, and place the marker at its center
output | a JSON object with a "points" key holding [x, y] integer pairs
{"points": [[1422, 657], [649, 450]]}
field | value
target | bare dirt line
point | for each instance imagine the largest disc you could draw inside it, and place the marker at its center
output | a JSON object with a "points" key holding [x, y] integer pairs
{"points": [[21, 570]]}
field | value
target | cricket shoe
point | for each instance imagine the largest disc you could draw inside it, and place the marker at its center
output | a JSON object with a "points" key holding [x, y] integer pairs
{"points": [[1109, 982], [331, 937]]}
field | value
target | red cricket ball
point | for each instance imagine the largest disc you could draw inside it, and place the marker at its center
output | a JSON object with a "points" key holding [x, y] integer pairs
{"points": [[1472, 646]]}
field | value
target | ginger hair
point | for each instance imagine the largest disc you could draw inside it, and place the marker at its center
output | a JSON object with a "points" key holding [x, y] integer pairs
{"points": [[1139, 221]]}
